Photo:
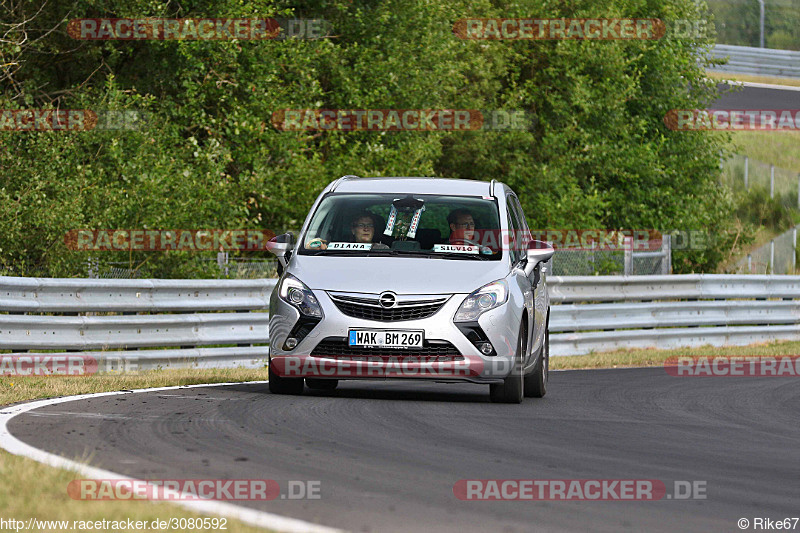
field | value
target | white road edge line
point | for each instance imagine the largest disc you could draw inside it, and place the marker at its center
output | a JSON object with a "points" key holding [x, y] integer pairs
{"points": [[249, 516]]}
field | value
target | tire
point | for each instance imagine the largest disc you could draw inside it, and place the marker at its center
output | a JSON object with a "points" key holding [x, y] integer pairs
{"points": [[281, 385], [321, 384], [512, 390], [536, 381]]}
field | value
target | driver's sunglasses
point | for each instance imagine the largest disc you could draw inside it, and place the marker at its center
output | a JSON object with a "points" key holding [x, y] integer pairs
{"points": [[363, 226], [465, 225]]}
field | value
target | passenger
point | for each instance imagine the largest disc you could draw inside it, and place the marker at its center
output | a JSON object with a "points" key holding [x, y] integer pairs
{"points": [[462, 226]]}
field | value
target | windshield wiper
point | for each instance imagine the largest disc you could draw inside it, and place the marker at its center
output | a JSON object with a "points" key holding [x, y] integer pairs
{"points": [[410, 253], [456, 255], [359, 253]]}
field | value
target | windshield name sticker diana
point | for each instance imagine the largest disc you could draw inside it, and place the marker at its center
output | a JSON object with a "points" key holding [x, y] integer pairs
{"points": [[349, 246]]}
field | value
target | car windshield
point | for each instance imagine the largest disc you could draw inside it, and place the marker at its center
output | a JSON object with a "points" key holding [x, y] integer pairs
{"points": [[441, 226]]}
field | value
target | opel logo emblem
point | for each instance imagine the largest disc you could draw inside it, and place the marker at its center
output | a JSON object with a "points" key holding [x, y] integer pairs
{"points": [[387, 300]]}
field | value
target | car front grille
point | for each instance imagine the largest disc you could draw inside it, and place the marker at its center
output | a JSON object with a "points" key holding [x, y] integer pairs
{"points": [[369, 308], [432, 350]]}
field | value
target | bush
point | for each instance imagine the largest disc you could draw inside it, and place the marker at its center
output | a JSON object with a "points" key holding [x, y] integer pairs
{"points": [[598, 156]]}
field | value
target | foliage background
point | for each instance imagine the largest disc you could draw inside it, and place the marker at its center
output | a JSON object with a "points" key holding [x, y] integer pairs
{"points": [[599, 156], [737, 22]]}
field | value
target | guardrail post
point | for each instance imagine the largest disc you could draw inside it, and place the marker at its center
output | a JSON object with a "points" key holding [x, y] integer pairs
{"points": [[222, 261], [628, 258], [772, 181], [92, 268], [772, 256], [749, 264], [747, 175], [666, 260]]}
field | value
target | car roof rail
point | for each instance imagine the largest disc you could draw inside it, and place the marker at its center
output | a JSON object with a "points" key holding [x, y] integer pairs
{"points": [[343, 178], [491, 187]]}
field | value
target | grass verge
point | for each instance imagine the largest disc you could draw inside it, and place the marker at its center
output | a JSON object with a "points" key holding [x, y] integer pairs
{"points": [[779, 148], [32, 490], [651, 357], [15, 389], [724, 76]]}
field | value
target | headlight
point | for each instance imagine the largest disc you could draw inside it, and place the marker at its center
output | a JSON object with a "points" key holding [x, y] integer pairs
{"points": [[488, 297], [295, 292]]}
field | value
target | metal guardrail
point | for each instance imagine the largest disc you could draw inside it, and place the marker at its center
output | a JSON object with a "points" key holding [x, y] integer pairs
{"points": [[650, 315], [569, 289], [32, 332], [199, 323], [73, 295], [758, 61], [601, 313], [204, 323]]}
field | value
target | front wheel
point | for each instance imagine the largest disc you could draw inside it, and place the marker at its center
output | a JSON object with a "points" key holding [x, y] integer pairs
{"points": [[281, 385], [512, 390], [536, 381]]}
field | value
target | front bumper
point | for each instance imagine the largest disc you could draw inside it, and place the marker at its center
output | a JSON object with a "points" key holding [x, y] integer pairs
{"points": [[458, 360]]}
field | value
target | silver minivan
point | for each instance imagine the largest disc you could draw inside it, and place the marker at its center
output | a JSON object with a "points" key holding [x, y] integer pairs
{"points": [[412, 278]]}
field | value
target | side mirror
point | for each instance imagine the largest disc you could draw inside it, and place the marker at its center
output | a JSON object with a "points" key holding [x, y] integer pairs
{"points": [[281, 246], [538, 252]]}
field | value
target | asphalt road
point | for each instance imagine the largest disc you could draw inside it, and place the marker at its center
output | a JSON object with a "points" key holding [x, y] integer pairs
{"points": [[387, 454], [758, 98]]}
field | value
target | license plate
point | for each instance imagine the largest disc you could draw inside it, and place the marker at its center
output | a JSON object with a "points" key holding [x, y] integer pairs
{"points": [[386, 338]]}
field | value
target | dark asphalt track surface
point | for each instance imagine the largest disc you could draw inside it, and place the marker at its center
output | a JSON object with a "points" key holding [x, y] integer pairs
{"points": [[757, 98], [387, 454]]}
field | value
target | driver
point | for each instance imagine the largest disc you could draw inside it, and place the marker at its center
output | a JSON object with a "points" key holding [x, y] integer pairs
{"points": [[462, 226], [363, 227], [363, 230]]}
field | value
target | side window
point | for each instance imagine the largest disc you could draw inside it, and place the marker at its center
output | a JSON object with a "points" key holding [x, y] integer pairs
{"points": [[518, 210], [523, 237], [514, 231]]}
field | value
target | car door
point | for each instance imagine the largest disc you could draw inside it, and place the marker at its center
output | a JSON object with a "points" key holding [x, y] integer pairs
{"points": [[538, 305]]}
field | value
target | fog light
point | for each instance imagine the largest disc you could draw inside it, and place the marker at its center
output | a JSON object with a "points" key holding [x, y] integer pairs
{"points": [[486, 348], [290, 343]]}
